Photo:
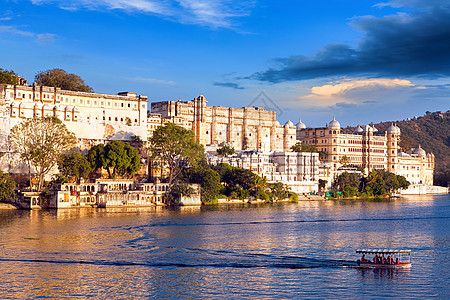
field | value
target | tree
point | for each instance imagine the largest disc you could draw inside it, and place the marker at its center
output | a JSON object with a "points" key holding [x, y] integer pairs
{"points": [[177, 190], [225, 150], [344, 160], [7, 186], [174, 148], [117, 158], [322, 184], [74, 165], [40, 141], [209, 181], [347, 183], [300, 147], [8, 77], [61, 79]]}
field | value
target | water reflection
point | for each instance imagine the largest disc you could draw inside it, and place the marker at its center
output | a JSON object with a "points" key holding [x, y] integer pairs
{"points": [[255, 251]]}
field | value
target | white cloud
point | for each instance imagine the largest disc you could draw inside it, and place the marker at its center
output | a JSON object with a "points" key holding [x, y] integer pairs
{"points": [[345, 86], [41, 38], [353, 91], [152, 81], [210, 13]]}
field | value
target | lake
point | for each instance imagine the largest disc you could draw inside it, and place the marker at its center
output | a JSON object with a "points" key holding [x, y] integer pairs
{"points": [[290, 250]]}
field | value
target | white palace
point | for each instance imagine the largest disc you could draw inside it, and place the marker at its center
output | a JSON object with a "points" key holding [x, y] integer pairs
{"points": [[98, 118]]}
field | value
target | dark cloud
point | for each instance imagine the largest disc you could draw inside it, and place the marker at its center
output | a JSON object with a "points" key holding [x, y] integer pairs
{"points": [[405, 44], [232, 85], [370, 102]]}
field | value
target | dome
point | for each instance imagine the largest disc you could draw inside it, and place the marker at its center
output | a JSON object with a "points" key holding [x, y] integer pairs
{"points": [[358, 129], [300, 125], [419, 151], [367, 128], [393, 129], [374, 129], [276, 123], [334, 124], [289, 123]]}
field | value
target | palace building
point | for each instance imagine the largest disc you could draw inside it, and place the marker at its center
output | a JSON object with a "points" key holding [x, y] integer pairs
{"points": [[370, 149], [246, 128]]}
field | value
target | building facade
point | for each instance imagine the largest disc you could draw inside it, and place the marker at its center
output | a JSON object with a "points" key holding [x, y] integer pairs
{"points": [[297, 170], [247, 128], [93, 117], [369, 149]]}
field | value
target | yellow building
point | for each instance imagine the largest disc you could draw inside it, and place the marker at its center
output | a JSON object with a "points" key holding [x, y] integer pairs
{"points": [[246, 128], [369, 149]]}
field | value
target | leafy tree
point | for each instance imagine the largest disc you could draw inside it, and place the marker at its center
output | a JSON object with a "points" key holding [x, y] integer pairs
{"points": [[225, 150], [344, 160], [300, 147], [176, 191], [209, 181], [8, 77], [74, 165], [117, 158], [40, 141], [347, 183], [174, 148], [7, 186], [322, 184], [279, 191], [61, 79], [96, 157]]}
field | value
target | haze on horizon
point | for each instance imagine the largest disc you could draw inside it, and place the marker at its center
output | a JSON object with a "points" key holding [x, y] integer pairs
{"points": [[361, 61]]}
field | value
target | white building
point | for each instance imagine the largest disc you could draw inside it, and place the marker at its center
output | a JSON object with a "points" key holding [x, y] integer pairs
{"points": [[299, 171]]}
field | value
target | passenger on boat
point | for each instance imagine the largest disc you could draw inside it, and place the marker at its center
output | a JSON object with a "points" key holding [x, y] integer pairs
{"points": [[363, 258], [396, 260]]}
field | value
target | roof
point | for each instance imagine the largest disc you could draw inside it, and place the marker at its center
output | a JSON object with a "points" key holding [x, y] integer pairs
{"points": [[382, 251]]}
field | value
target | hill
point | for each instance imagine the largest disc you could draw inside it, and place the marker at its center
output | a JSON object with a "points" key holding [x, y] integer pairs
{"points": [[432, 132]]}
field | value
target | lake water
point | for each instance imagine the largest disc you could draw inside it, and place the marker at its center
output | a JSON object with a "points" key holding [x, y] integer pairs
{"points": [[304, 250]]}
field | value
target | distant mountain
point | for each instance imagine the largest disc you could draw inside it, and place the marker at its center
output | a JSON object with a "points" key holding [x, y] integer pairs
{"points": [[431, 132]]}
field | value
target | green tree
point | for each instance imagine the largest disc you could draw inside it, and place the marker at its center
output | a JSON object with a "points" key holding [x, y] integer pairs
{"points": [[279, 191], [177, 190], [40, 141], [74, 165], [344, 160], [117, 158], [8, 77], [174, 148], [7, 186], [322, 184], [209, 181], [300, 147], [96, 157], [61, 79], [347, 183], [225, 150]]}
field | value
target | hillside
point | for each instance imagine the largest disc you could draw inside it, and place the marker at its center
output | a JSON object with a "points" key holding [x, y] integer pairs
{"points": [[431, 131]]}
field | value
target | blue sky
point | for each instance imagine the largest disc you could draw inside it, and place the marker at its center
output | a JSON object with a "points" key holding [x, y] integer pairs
{"points": [[362, 61]]}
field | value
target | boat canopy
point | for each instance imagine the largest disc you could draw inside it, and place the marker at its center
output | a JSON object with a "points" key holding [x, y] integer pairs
{"points": [[382, 251]]}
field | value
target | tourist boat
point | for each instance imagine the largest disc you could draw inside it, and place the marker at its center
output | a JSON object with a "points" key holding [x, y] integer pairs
{"points": [[384, 258]]}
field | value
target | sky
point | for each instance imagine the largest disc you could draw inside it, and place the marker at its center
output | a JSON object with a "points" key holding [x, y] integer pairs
{"points": [[360, 61]]}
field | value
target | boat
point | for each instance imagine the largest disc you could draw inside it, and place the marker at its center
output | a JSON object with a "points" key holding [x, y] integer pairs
{"points": [[384, 258]]}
